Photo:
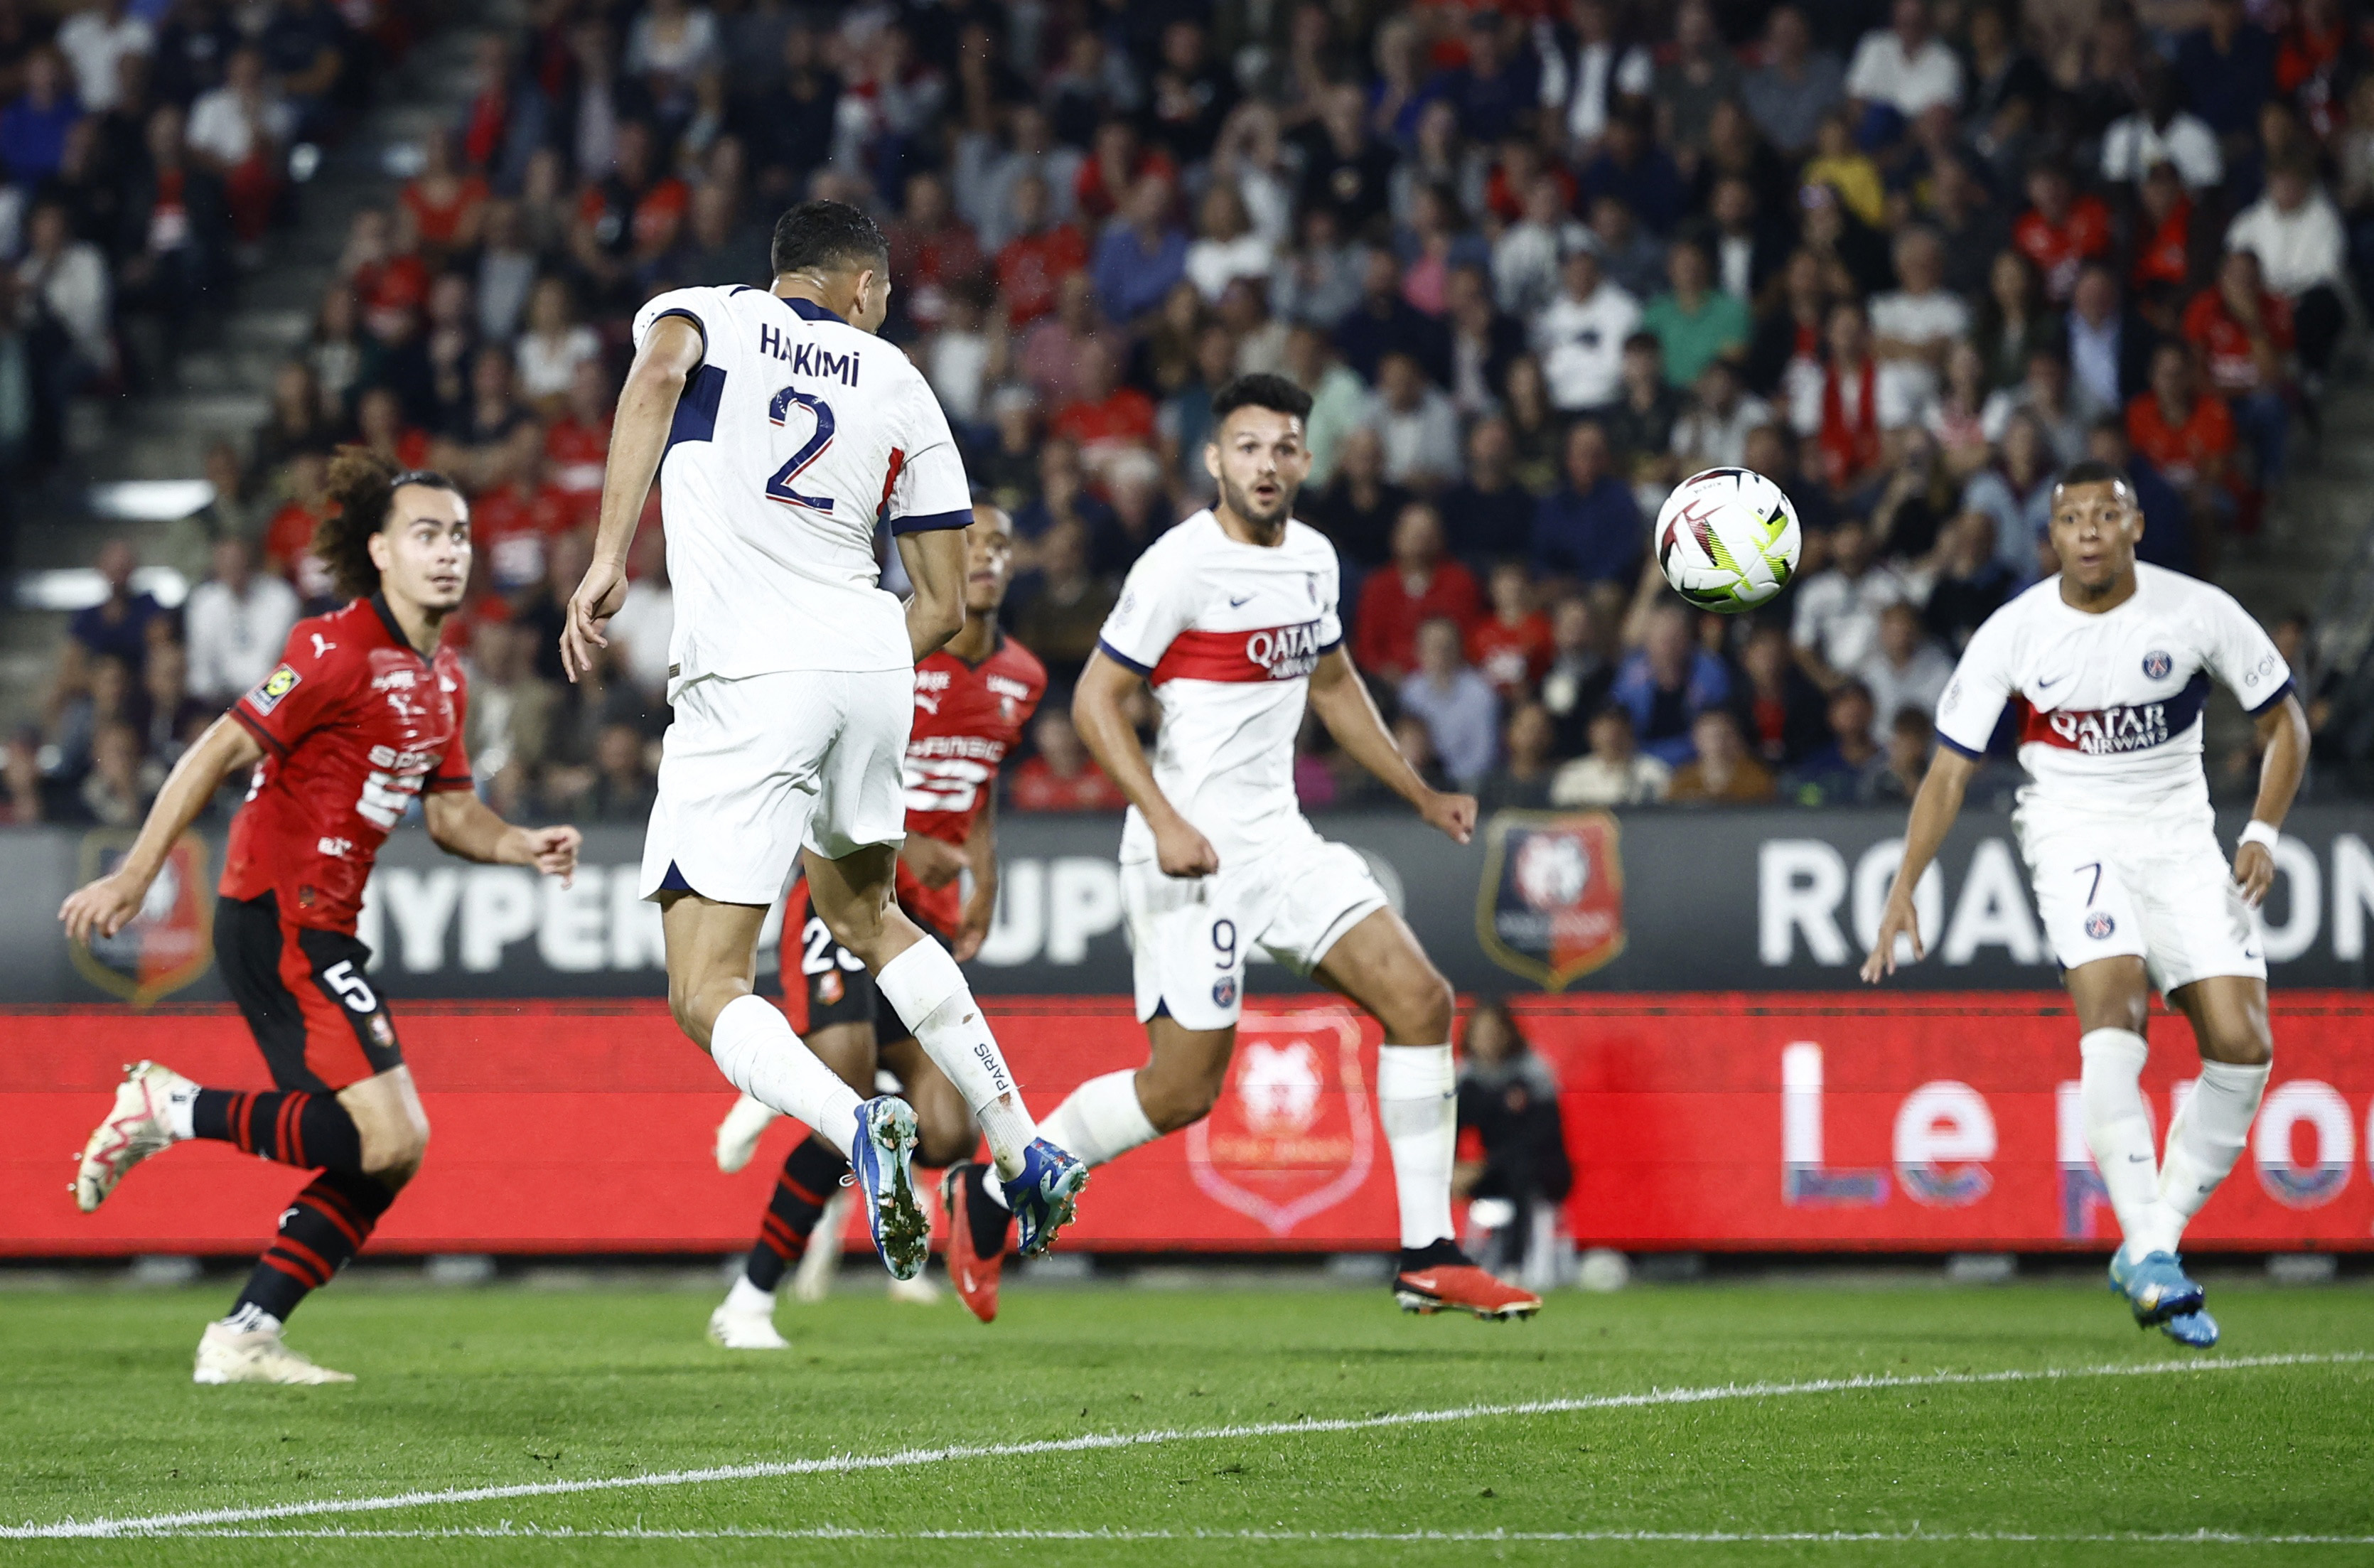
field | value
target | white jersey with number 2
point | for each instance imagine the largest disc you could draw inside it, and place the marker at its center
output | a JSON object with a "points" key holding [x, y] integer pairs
{"points": [[796, 435], [2108, 707]]}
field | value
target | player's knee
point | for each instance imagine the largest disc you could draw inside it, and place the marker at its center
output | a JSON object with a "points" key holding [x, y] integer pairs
{"points": [[394, 1157], [2246, 1044], [1181, 1100], [859, 927], [1429, 1008]]}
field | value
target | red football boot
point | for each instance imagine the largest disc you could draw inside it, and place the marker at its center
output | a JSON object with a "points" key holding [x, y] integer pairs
{"points": [[972, 1272], [1441, 1279]]}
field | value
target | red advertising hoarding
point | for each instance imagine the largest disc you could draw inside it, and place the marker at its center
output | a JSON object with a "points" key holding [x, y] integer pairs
{"points": [[1816, 1123]]}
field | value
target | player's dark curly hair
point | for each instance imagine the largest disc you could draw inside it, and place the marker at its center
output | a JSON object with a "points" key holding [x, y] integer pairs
{"points": [[1274, 393], [2092, 472], [826, 236], [362, 486]]}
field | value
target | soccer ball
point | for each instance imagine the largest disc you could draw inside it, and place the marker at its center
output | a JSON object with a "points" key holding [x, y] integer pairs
{"points": [[1727, 539]]}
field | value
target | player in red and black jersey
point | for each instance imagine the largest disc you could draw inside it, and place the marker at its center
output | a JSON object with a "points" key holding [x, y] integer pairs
{"points": [[972, 699], [361, 720]]}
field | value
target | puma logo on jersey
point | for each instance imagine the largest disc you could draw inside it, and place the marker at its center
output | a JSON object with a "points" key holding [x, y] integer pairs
{"points": [[321, 645]]}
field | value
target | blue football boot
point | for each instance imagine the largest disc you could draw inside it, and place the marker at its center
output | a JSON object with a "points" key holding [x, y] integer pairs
{"points": [[878, 1157], [1042, 1195], [2196, 1329], [2155, 1286]]}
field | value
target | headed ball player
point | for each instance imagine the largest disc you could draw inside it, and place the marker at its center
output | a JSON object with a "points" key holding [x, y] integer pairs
{"points": [[361, 721], [972, 701], [1231, 617], [784, 431], [2106, 667]]}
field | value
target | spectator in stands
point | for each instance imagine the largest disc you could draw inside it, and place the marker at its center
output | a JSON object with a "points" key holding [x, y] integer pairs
{"points": [[1666, 683], [1589, 530], [1850, 175], [1712, 427], [289, 537], [120, 626], [624, 785], [117, 790], [1108, 418], [1694, 322], [2227, 67], [640, 631], [175, 718], [1511, 1146], [1060, 775], [554, 344], [1575, 685], [1525, 257], [1835, 622], [1420, 585], [1417, 425], [304, 44], [1973, 580], [1142, 253], [1528, 760], [238, 132], [1512, 646], [2013, 324], [1784, 716], [446, 203], [34, 126], [1639, 424], [2060, 230], [2185, 431], [64, 281], [1039, 256], [1614, 772], [1906, 669], [1906, 66], [1579, 335], [1060, 622], [513, 716], [2295, 233], [238, 620], [1796, 84], [1916, 322], [1840, 772], [1384, 323], [1720, 770], [1458, 706], [20, 781], [2017, 491], [1911, 736], [2110, 345], [1848, 410], [1485, 341], [2243, 334]]}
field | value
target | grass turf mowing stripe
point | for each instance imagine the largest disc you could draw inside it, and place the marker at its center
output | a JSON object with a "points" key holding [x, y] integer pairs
{"points": [[166, 1523], [1752, 1537]]}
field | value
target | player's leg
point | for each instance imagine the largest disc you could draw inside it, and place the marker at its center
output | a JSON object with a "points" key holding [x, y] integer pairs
{"points": [[948, 1135], [1379, 965]]}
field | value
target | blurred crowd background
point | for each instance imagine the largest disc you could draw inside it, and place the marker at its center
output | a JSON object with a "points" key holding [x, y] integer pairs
{"points": [[1534, 260]]}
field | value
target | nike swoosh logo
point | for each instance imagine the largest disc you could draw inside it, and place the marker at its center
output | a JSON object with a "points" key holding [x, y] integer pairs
{"points": [[1236, 602], [2041, 685], [2137, 1159]]}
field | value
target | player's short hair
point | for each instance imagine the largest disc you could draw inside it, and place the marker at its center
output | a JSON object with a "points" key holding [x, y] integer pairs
{"points": [[2093, 471], [826, 236], [1274, 393], [362, 486]]}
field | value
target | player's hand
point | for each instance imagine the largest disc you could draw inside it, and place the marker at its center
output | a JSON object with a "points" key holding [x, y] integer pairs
{"points": [[2254, 872], [1182, 851], [552, 850], [104, 906], [1454, 815], [597, 598], [1898, 920], [934, 862], [973, 930]]}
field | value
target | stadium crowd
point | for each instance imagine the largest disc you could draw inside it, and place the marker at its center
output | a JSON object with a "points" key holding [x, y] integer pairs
{"points": [[1534, 261]]}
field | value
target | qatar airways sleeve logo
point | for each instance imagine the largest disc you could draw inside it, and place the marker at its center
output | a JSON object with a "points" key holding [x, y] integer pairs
{"points": [[1287, 653]]}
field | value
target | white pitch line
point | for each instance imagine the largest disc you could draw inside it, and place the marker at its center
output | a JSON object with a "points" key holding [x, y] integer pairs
{"points": [[837, 1533], [843, 1464]]}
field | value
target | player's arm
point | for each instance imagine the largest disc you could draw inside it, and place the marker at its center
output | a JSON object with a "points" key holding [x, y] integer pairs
{"points": [[672, 350], [1934, 810], [104, 905], [1341, 699], [980, 855], [2283, 746], [462, 825], [935, 560], [1099, 714]]}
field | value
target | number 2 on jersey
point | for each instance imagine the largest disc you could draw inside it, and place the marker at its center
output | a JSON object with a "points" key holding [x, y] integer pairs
{"points": [[779, 487]]}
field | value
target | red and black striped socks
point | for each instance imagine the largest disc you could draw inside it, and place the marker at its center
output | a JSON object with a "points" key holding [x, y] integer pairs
{"points": [[811, 1173], [324, 1226], [309, 1131]]}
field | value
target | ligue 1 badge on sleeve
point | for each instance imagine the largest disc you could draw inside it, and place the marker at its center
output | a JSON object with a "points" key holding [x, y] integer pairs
{"points": [[1551, 903], [170, 943]]}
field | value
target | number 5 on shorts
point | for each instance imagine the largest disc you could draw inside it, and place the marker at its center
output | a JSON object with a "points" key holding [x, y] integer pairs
{"points": [[352, 988]]}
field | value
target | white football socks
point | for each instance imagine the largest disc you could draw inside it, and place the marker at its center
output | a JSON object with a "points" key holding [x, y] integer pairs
{"points": [[2204, 1139], [747, 1297], [1416, 1100], [1101, 1120], [755, 1048], [927, 990], [2118, 1124]]}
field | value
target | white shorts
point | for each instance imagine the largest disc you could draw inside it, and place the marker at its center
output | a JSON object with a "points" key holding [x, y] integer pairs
{"points": [[753, 771], [1191, 934], [2158, 889]]}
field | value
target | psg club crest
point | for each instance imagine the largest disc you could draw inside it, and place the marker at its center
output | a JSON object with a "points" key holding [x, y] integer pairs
{"points": [[171, 941], [1551, 903], [1292, 1135], [2157, 665]]}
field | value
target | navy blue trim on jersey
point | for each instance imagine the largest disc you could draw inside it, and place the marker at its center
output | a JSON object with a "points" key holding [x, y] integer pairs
{"points": [[813, 312], [1117, 656], [2184, 708], [2281, 692], [932, 522], [1330, 647], [696, 411], [698, 325], [673, 881], [1950, 744]]}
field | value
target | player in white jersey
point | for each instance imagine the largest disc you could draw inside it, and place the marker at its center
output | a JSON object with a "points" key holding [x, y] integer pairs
{"points": [[784, 431], [2105, 668], [1231, 616]]}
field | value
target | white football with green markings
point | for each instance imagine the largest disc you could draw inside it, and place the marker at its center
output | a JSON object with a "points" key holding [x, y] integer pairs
{"points": [[1727, 539]]}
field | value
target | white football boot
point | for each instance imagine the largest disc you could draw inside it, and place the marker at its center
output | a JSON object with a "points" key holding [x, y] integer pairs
{"points": [[137, 1128], [813, 1283], [733, 1327], [737, 1135], [918, 1291], [255, 1355]]}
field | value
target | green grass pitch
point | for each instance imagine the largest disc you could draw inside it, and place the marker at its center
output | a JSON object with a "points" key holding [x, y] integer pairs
{"points": [[505, 1386]]}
